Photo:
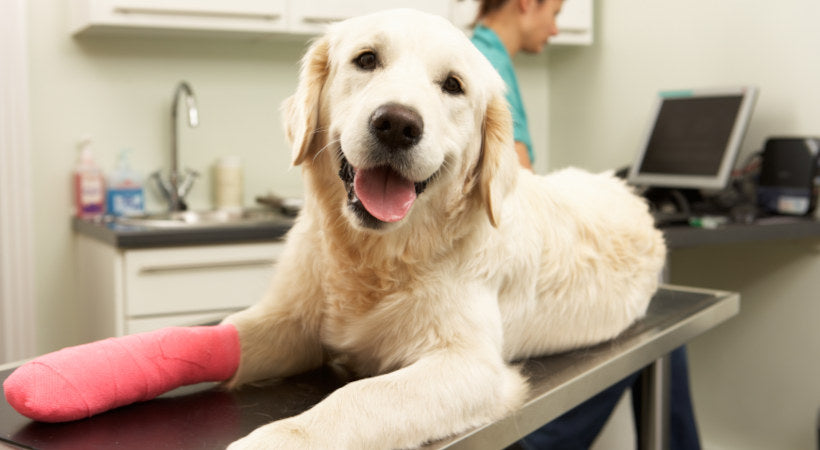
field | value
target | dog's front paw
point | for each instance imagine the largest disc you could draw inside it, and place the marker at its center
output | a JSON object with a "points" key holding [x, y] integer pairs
{"points": [[283, 434]]}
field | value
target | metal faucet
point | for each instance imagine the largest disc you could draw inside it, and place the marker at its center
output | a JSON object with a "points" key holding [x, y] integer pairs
{"points": [[177, 185]]}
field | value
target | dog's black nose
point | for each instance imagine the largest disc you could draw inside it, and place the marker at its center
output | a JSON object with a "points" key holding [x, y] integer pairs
{"points": [[397, 127]]}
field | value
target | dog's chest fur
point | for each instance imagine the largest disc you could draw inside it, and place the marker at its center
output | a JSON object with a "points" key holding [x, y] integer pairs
{"points": [[369, 304], [365, 316]]}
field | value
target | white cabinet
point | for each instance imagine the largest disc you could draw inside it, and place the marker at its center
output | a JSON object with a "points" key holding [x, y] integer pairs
{"points": [[312, 16], [261, 18], [244, 17], [132, 291], [463, 12], [575, 24]]}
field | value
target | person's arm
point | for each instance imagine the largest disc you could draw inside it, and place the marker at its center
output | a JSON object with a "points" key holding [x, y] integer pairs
{"points": [[523, 155]]}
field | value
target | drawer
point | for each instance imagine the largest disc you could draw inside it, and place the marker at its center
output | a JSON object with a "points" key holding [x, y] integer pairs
{"points": [[197, 279]]}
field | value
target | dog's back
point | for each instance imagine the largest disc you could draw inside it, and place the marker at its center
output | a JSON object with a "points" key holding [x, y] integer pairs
{"points": [[586, 260]]}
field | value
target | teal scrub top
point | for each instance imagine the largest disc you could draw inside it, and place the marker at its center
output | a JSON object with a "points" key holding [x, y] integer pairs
{"points": [[493, 49]]}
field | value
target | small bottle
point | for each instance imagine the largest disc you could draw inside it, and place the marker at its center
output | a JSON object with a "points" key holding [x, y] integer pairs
{"points": [[125, 194], [228, 184], [89, 184]]}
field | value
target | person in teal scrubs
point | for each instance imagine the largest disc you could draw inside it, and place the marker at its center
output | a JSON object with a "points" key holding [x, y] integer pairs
{"points": [[504, 28]]}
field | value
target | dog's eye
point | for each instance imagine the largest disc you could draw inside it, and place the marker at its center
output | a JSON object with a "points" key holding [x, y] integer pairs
{"points": [[452, 85], [366, 61]]}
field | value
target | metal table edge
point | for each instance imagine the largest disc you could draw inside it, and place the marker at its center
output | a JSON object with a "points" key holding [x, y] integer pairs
{"points": [[548, 405]]}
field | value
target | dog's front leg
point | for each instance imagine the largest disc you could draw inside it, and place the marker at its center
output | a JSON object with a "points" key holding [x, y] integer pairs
{"points": [[441, 394], [279, 336]]}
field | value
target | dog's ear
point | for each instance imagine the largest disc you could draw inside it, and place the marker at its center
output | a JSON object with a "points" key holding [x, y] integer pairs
{"points": [[301, 110], [498, 166]]}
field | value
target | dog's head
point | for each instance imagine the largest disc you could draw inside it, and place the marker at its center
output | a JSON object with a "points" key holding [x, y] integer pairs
{"points": [[409, 111]]}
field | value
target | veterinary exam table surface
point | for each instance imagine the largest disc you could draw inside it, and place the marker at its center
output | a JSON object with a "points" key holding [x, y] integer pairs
{"points": [[204, 416]]}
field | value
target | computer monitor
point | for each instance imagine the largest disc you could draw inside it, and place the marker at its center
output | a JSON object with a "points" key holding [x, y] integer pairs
{"points": [[693, 139]]}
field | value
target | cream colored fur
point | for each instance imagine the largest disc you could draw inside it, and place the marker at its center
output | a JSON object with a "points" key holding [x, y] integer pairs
{"points": [[492, 263]]}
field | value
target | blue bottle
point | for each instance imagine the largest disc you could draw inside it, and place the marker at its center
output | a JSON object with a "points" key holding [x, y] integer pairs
{"points": [[125, 194]]}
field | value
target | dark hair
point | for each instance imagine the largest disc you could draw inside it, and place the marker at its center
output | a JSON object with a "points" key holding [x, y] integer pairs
{"points": [[487, 6]]}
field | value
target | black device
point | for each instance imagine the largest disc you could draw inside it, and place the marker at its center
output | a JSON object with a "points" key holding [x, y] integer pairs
{"points": [[788, 172]]}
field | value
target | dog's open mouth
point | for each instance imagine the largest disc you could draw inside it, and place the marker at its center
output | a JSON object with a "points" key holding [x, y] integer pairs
{"points": [[379, 193]]}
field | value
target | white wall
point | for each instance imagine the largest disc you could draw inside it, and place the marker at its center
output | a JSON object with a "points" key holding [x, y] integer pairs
{"points": [[642, 47], [533, 76], [118, 90], [755, 379]]}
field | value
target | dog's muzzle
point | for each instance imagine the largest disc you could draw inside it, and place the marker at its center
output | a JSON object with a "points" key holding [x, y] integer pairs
{"points": [[380, 193]]}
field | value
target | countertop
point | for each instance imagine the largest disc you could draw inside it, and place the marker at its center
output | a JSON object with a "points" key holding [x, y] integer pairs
{"points": [[129, 237], [677, 236], [764, 229], [204, 416]]}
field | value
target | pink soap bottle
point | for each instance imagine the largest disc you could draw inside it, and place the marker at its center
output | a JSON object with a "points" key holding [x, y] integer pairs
{"points": [[89, 184]]}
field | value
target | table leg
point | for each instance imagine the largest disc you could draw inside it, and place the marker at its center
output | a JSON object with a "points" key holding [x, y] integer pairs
{"points": [[654, 426]]}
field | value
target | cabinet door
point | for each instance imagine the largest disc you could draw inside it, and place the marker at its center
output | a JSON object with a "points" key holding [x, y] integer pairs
{"points": [[240, 16], [463, 13], [313, 16], [575, 23], [196, 279]]}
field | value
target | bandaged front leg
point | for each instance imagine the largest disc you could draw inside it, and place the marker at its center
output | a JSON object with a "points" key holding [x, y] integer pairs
{"points": [[78, 382]]}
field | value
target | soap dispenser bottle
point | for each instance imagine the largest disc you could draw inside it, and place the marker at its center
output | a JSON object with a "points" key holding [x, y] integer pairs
{"points": [[89, 184], [125, 192]]}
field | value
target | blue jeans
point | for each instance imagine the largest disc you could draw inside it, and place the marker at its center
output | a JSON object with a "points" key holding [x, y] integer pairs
{"points": [[579, 427]]}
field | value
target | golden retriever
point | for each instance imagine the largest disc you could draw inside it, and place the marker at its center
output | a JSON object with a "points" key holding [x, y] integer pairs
{"points": [[424, 259]]}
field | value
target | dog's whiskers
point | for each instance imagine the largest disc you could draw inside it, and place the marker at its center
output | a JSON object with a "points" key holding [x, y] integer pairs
{"points": [[329, 144], [446, 167]]}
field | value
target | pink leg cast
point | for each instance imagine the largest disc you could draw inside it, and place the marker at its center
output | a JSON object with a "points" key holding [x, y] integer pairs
{"points": [[78, 382]]}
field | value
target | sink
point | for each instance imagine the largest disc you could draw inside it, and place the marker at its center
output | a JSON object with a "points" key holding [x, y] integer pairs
{"points": [[202, 219]]}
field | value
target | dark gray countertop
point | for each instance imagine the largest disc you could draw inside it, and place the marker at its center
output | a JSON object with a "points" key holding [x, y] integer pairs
{"points": [[680, 236], [766, 229], [128, 237]]}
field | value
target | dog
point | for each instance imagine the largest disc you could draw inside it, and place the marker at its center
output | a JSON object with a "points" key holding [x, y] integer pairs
{"points": [[424, 259]]}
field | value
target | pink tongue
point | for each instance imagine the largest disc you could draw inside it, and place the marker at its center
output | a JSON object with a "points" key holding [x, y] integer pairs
{"points": [[384, 193]]}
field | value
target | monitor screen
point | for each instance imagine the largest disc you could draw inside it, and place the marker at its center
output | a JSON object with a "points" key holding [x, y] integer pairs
{"points": [[693, 138]]}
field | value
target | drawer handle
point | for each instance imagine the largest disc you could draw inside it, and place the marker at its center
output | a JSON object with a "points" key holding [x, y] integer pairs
{"points": [[183, 12], [577, 29], [149, 270]]}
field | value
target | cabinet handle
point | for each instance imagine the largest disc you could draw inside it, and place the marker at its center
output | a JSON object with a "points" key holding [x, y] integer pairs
{"points": [[186, 12], [578, 29], [321, 20], [152, 270]]}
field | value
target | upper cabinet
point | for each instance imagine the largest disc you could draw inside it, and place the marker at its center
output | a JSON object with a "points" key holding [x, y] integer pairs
{"points": [[242, 17], [312, 16], [574, 22], [281, 17]]}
